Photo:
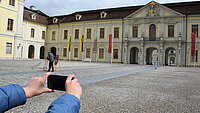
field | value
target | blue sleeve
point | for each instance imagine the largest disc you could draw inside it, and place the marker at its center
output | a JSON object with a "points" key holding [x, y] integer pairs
{"points": [[65, 104], [11, 96]]}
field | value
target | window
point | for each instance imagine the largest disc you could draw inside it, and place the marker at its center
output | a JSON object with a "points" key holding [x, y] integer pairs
{"points": [[115, 54], [65, 34], [12, 2], [103, 14], [55, 20], [32, 32], [33, 16], [43, 34], [101, 53], [102, 32], [75, 52], [8, 48], [88, 53], [116, 32], [10, 25], [195, 58], [170, 30], [195, 29], [89, 33], [76, 33], [135, 31], [53, 35], [78, 17], [64, 52]]}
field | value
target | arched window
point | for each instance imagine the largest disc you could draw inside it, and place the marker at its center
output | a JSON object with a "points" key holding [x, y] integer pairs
{"points": [[152, 32]]}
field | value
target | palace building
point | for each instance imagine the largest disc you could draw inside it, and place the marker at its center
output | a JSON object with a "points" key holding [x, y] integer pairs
{"points": [[138, 33]]}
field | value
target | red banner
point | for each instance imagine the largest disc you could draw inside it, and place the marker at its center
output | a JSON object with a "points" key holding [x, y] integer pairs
{"points": [[110, 44], [193, 44]]}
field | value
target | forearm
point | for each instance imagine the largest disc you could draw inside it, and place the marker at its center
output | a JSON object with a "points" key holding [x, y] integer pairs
{"points": [[65, 104], [11, 96]]}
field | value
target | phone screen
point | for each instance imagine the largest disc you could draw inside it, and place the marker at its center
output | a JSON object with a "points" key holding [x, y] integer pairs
{"points": [[56, 82]]}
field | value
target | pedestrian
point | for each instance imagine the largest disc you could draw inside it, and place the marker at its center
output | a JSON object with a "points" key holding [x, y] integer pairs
{"points": [[14, 95], [51, 61], [155, 59]]}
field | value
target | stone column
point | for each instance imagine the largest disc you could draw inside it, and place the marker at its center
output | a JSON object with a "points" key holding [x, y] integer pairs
{"points": [[179, 53], [141, 54], [18, 36], [161, 54]]}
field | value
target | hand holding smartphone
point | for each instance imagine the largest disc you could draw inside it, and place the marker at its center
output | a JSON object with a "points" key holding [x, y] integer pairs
{"points": [[57, 82]]}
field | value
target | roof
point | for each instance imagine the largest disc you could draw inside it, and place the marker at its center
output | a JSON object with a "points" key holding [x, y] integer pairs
{"points": [[185, 8], [41, 17]]}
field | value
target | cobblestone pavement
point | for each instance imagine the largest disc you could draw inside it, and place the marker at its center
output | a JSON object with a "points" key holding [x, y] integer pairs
{"points": [[113, 88]]}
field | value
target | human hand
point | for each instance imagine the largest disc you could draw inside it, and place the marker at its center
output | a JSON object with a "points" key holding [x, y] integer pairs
{"points": [[36, 86], [73, 87]]}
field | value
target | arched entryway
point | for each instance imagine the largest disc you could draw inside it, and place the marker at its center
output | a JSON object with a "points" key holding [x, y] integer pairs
{"points": [[170, 56], [42, 50], [134, 55], [31, 50], [53, 50], [149, 52], [152, 32]]}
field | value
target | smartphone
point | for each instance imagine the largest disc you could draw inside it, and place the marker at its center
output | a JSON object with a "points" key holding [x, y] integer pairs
{"points": [[57, 82]]}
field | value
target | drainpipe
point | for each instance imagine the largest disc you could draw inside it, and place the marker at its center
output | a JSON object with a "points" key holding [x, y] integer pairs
{"points": [[122, 41], [186, 41]]}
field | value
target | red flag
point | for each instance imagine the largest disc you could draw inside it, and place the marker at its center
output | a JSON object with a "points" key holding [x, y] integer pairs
{"points": [[110, 44], [193, 44]]}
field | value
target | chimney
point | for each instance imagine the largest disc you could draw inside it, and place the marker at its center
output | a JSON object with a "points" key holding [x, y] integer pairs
{"points": [[32, 8]]}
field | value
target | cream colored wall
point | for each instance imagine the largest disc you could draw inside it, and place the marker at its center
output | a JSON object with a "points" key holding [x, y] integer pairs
{"points": [[7, 12], [83, 26], [194, 20]]}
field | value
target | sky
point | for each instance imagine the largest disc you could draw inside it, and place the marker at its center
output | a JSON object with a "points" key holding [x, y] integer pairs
{"points": [[65, 7]]}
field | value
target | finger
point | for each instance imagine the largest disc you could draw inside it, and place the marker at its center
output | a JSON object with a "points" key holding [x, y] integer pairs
{"points": [[75, 80], [45, 76], [47, 90], [69, 78]]}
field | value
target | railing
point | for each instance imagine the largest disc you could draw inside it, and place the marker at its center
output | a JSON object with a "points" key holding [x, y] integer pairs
{"points": [[151, 38]]}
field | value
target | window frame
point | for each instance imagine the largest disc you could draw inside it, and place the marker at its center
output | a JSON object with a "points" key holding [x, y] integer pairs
{"points": [[8, 48], [43, 34], [102, 33], [88, 52], [135, 31], [116, 53], [10, 24], [116, 32], [101, 53], [76, 34], [89, 33], [64, 52], [66, 34], [171, 30], [53, 35], [11, 2], [195, 27], [32, 32], [75, 52]]}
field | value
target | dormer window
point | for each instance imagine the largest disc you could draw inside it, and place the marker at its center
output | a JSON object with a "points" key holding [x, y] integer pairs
{"points": [[33, 16], [103, 14], [78, 17], [55, 20]]}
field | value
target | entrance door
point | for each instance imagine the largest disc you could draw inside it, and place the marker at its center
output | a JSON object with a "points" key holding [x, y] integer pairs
{"points": [[134, 55], [152, 32], [31, 51], [53, 50], [42, 52]]}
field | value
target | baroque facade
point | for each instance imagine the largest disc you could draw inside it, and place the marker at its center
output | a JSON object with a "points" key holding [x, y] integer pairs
{"points": [[137, 31]]}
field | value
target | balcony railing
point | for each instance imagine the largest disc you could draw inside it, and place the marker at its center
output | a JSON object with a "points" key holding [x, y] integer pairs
{"points": [[151, 38]]}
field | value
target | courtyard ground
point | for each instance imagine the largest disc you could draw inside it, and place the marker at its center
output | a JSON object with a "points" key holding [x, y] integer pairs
{"points": [[113, 88]]}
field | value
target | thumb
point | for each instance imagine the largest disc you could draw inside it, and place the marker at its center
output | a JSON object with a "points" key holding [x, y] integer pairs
{"points": [[47, 90]]}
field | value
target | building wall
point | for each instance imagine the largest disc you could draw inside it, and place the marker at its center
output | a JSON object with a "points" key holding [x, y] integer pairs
{"points": [[35, 41], [193, 20], [95, 26], [7, 12]]}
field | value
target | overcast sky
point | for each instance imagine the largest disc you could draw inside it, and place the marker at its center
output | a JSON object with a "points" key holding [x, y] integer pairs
{"points": [[64, 7]]}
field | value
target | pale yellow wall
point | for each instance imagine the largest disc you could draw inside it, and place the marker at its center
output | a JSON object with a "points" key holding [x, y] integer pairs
{"points": [[7, 12], [193, 21]]}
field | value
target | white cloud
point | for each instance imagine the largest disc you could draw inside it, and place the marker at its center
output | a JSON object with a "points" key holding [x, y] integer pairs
{"points": [[64, 7]]}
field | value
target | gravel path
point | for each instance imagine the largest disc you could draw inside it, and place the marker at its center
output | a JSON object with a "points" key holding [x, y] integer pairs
{"points": [[113, 88]]}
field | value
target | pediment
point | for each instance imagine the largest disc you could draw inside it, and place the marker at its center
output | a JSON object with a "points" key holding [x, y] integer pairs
{"points": [[154, 9]]}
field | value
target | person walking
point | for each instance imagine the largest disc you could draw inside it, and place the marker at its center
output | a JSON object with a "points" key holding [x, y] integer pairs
{"points": [[51, 60]]}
